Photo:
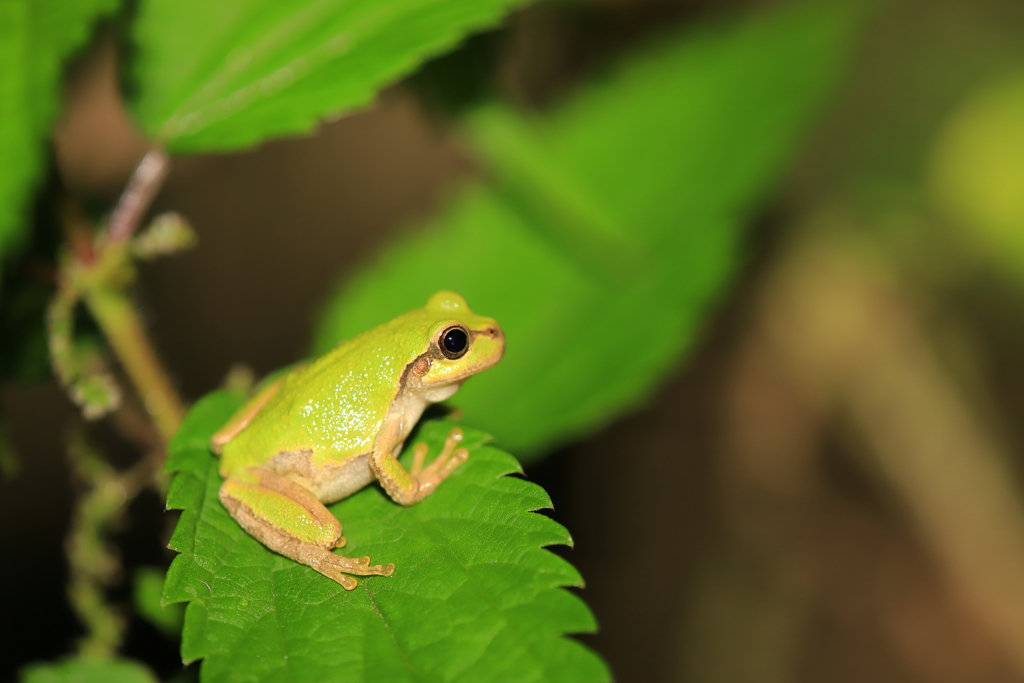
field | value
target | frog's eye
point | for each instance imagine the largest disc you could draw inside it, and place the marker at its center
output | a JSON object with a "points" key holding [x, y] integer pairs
{"points": [[454, 342]]}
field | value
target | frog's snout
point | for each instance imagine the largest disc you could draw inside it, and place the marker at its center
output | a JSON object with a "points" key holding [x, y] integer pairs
{"points": [[494, 333], [494, 343]]}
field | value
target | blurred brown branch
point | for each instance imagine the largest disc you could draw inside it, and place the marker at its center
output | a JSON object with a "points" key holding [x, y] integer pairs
{"points": [[852, 339]]}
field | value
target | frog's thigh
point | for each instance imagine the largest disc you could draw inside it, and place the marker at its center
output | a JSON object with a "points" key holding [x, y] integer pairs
{"points": [[289, 520], [260, 497]]}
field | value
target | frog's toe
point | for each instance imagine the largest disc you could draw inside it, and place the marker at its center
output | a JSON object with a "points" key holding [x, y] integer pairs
{"points": [[335, 566], [361, 565], [450, 457], [340, 543], [377, 569], [347, 582], [351, 565]]}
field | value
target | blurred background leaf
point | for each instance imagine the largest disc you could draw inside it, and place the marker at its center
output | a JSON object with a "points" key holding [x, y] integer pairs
{"points": [[23, 350], [219, 76], [36, 38], [611, 226], [147, 594], [88, 671], [977, 173]]}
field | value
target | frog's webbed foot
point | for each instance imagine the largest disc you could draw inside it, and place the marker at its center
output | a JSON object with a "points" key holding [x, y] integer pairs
{"points": [[419, 482], [338, 567], [288, 519]]}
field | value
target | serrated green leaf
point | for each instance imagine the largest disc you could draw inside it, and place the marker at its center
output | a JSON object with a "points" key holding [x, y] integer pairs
{"points": [[473, 598], [218, 76], [611, 226], [87, 671], [36, 37]]}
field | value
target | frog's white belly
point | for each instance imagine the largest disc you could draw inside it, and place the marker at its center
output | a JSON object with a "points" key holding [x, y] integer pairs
{"points": [[329, 482]]}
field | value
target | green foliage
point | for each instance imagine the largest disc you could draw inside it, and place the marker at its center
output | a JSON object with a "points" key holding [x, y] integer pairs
{"points": [[217, 76], [87, 671], [23, 352], [603, 235], [148, 598], [78, 360], [977, 175], [36, 37], [473, 598], [611, 225]]}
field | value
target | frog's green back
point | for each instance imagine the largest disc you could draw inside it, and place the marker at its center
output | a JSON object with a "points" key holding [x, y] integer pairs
{"points": [[335, 406]]}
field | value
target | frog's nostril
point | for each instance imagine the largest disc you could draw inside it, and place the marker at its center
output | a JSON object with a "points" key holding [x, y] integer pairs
{"points": [[492, 332]]}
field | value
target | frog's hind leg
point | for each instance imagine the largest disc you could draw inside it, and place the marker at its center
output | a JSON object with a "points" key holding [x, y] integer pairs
{"points": [[243, 417], [288, 519]]}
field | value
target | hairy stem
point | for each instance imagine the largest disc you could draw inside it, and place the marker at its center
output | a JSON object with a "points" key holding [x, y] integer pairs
{"points": [[123, 328], [142, 188], [94, 565], [99, 270]]}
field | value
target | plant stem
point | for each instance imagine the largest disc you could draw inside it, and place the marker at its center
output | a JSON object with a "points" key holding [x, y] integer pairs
{"points": [[124, 330], [142, 188], [99, 271], [94, 566]]}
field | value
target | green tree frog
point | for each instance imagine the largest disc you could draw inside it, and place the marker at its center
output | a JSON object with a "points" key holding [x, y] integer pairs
{"points": [[326, 429]]}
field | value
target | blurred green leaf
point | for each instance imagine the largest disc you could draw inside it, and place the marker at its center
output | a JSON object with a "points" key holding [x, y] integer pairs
{"points": [[36, 37], [217, 76], [611, 226], [148, 597], [87, 671], [473, 598], [23, 350], [977, 173]]}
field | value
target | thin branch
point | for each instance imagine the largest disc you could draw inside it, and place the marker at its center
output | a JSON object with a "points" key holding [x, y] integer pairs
{"points": [[849, 334], [94, 564], [127, 336], [142, 188]]}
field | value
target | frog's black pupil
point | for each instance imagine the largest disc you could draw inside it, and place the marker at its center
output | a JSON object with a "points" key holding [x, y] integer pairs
{"points": [[455, 340]]}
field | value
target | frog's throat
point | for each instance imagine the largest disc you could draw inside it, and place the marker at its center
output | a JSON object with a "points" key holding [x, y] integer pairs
{"points": [[436, 394]]}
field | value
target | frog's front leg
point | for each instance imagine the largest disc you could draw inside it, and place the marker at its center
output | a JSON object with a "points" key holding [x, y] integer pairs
{"points": [[288, 519], [412, 486]]}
